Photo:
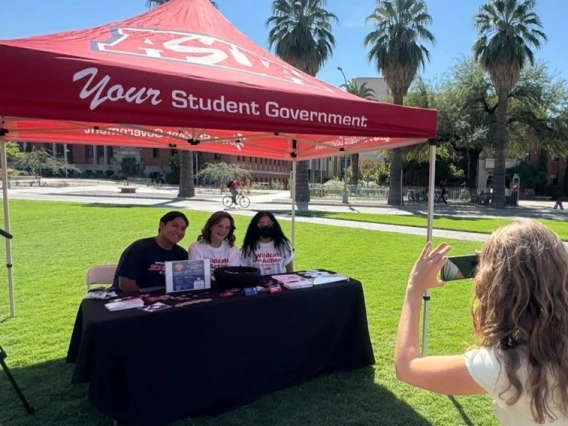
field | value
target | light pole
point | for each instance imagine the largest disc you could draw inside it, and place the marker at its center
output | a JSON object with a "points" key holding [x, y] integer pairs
{"points": [[345, 198]]}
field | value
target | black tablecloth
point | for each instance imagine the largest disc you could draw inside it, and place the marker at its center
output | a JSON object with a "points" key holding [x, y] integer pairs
{"points": [[153, 368]]}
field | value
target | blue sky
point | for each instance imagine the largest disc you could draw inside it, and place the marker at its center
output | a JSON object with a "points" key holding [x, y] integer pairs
{"points": [[452, 27]]}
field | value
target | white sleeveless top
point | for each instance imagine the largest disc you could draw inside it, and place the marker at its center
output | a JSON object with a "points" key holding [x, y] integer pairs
{"points": [[486, 370]]}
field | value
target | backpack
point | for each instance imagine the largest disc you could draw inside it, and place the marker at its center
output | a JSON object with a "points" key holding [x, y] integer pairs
{"points": [[229, 184]]}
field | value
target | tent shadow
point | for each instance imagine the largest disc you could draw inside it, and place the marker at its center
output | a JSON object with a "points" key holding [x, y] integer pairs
{"points": [[350, 399], [347, 399], [47, 387]]}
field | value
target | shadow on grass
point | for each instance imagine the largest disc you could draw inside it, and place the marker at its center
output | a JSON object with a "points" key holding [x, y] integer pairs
{"points": [[473, 216], [349, 399], [121, 196], [132, 206], [466, 420], [47, 387]]}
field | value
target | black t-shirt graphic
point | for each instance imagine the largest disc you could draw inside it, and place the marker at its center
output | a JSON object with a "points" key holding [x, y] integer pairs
{"points": [[144, 261]]}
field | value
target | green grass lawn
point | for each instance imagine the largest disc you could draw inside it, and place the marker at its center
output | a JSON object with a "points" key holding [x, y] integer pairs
{"points": [[452, 223], [55, 243]]}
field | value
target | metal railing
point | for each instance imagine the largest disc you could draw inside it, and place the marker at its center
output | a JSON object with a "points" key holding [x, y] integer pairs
{"points": [[411, 194]]}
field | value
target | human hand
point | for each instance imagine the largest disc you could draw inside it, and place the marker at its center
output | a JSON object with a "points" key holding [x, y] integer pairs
{"points": [[424, 274]]}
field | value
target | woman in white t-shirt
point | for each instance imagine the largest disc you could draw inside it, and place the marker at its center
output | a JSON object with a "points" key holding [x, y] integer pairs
{"points": [[266, 247], [520, 318], [217, 242]]}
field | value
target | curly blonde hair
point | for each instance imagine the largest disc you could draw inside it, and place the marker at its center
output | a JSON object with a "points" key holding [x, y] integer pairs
{"points": [[521, 310]]}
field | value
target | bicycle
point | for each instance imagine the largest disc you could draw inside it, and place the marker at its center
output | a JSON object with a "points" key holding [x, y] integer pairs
{"points": [[242, 200]]}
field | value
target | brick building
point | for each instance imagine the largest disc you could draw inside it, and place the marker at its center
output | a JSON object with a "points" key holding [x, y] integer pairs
{"points": [[95, 160]]}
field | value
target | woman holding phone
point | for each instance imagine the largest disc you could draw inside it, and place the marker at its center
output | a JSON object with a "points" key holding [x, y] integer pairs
{"points": [[520, 318]]}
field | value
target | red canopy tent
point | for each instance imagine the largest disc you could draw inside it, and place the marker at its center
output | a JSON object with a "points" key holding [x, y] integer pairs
{"points": [[181, 76]]}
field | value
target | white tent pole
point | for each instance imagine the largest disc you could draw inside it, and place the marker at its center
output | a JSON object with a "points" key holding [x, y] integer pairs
{"points": [[293, 188], [431, 189], [4, 164]]}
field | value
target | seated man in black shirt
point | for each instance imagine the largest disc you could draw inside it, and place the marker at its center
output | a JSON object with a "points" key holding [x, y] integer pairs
{"points": [[142, 264]]}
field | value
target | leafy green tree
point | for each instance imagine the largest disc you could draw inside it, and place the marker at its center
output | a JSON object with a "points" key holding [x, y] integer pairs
{"points": [[130, 167], [508, 31], [467, 103], [301, 34], [13, 152], [39, 161], [220, 173], [395, 47], [173, 173], [372, 170], [365, 92]]}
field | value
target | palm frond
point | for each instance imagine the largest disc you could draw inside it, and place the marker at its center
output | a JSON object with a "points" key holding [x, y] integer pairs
{"points": [[300, 32], [396, 42], [509, 31]]}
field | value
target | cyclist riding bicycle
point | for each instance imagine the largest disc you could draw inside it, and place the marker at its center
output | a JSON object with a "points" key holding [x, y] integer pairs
{"points": [[234, 189]]}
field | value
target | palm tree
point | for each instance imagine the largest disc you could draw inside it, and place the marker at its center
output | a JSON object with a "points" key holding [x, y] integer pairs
{"points": [[366, 93], [507, 31], [300, 34], [186, 175], [395, 47]]}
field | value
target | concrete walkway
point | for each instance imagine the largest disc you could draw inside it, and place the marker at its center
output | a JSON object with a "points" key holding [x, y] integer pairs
{"points": [[279, 202]]}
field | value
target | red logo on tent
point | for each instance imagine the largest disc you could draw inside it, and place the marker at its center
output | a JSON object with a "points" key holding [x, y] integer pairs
{"points": [[201, 50]]}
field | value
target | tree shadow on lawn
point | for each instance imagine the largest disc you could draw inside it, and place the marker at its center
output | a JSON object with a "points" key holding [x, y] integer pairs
{"points": [[162, 205], [346, 399], [420, 214]]}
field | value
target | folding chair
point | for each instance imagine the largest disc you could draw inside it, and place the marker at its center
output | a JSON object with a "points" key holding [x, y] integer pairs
{"points": [[100, 274]]}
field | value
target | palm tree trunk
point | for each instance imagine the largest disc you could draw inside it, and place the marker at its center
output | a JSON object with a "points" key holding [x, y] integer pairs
{"points": [[498, 197], [302, 182], [355, 170], [395, 192], [473, 158], [186, 185]]}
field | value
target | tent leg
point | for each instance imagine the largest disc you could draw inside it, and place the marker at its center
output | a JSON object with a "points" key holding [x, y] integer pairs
{"points": [[431, 189], [4, 165], [293, 189]]}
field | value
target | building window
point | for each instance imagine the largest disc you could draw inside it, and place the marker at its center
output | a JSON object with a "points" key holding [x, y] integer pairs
{"points": [[89, 150], [217, 156], [155, 153]]}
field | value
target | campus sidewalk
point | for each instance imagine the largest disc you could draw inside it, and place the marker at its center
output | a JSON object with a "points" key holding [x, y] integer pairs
{"points": [[279, 201]]}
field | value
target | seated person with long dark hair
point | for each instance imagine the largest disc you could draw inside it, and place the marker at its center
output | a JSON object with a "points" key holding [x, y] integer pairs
{"points": [[217, 242], [142, 264], [266, 247]]}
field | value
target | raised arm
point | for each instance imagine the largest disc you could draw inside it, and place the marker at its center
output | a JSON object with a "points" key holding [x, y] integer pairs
{"points": [[442, 374]]}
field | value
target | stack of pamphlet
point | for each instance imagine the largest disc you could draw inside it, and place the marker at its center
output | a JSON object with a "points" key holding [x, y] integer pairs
{"points": [[292, 281], [308, 279], [323, 277], [121, 304]]}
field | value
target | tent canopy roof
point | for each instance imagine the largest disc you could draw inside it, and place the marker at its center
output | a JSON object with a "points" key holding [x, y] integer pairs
{"points": [[182, 76]]}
